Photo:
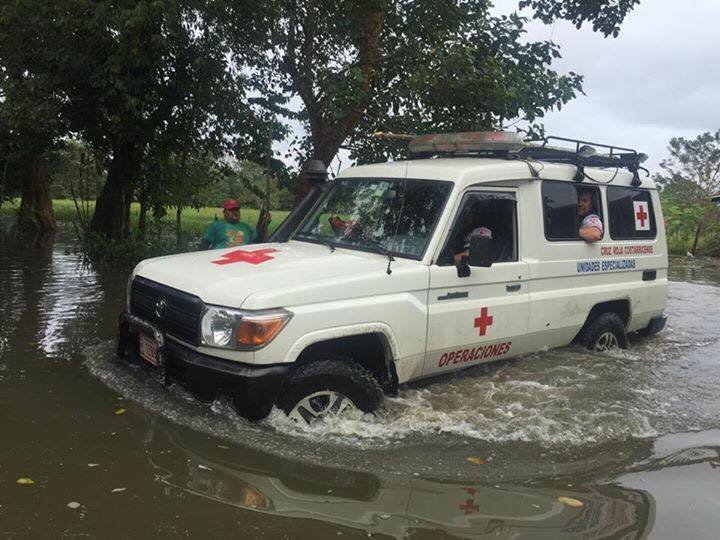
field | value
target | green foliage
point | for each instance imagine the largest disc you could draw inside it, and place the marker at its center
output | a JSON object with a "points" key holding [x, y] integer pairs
{"points": [[161, 238], [690, 176], [74, 167], [163, 91], [138, 78], [479, 80], [605, 15], [195, 221], [696, 161], [681, 219], [249, 183], [417, 66]]}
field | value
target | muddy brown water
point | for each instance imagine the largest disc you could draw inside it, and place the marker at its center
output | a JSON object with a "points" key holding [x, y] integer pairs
{"points": [[632, 437]]}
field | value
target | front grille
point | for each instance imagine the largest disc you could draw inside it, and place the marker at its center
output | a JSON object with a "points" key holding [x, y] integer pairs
{"points": [[180, 317]]}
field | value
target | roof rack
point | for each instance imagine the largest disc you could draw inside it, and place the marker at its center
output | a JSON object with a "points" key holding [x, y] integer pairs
{"points": [[509, 145]]}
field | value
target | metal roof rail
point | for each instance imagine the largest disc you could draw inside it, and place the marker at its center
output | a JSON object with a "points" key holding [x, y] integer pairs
{"points": [[585, 155], [507, 145]]}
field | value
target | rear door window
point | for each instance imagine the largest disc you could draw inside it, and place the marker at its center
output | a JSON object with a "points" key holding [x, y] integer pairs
{"points": [[560, 208], [631, 213]]}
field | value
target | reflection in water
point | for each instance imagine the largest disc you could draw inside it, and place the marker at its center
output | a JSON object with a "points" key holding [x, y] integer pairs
{"points": [[69, 291], [51, 299], [562, 423], [698, 269], [393, 507]]}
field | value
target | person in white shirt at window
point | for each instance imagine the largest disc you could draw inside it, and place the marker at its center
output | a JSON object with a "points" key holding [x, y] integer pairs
{"points": [[591, 226]]}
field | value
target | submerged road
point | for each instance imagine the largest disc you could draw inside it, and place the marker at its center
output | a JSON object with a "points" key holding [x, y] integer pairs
{"points": [[561, 444]]}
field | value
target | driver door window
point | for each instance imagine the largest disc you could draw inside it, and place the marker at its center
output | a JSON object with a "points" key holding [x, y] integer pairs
{"points": [[490, 214]]}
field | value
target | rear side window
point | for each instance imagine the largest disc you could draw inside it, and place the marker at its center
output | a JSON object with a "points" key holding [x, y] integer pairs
{"points": [[560, 208], [631, 213]]}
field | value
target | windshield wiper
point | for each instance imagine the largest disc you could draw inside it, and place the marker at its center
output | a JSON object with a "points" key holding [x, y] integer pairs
{"points": [[378, 247], [329, 242]]}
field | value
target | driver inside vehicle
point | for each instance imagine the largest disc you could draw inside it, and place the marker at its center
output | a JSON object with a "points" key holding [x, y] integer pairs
{"points": [[341, 227], [472, 225]]}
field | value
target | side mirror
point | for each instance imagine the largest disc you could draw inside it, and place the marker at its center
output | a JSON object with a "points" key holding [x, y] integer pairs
{"points": [[480, 251]]}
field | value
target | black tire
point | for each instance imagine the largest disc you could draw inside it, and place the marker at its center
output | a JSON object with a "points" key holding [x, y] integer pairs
{"points": [[252, 411], [334, 373], [602, 325]]}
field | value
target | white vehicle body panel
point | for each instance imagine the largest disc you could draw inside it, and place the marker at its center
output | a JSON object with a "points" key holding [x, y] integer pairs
{"points": [[541, 300]]}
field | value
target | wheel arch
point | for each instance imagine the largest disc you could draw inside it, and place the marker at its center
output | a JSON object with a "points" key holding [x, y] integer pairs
{"points": [[619, 306], [371, 346]]}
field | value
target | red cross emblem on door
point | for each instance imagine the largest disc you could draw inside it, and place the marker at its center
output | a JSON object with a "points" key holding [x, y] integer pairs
{"points": [[483, 321], [253, 257]]}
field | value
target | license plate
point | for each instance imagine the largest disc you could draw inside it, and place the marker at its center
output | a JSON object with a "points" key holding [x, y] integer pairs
{"points": [[149, 349]]}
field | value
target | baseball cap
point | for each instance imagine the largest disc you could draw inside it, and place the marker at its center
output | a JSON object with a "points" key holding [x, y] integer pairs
{"points": [[482, 232], [231, 203]]}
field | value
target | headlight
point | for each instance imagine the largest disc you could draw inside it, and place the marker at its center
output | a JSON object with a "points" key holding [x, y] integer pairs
{"points": [[218, 327], [243, 330]]}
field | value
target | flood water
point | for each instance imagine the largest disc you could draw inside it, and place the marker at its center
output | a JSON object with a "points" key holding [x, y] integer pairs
{"points": [[631, 439]]}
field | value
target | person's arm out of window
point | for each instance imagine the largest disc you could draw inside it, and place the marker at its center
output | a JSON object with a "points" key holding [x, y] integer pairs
{"points": [[591, 229], [457, 257]]}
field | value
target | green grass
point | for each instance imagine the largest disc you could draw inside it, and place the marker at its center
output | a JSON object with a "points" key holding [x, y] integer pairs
{"points": [[193, 221]]}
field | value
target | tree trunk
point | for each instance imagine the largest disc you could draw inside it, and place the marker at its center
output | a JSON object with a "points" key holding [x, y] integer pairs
{"points": [[112, 208], [36, 213], [329, 134], [142, 218], [2, 184], [178, 226], [698, 231]]}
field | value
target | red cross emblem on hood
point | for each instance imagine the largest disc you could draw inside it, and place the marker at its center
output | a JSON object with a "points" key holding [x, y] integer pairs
{"points": [[253, 257]]}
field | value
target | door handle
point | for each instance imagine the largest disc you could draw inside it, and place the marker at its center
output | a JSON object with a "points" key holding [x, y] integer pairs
{"points": [[454, 295], [512, 287]]}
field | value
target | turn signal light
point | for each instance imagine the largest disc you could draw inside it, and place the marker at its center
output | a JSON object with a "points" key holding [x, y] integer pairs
{"points": [[255, 332]]}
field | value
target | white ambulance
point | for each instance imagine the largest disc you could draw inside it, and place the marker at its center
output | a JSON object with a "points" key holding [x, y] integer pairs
{"points": [[475, 249]]}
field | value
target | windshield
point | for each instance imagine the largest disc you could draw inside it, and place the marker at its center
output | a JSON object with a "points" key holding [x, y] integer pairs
{"points": [[378, 214]]}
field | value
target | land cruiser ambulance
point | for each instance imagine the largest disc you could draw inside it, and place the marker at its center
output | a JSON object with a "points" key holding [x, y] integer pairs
{"points": [[377, 279]]}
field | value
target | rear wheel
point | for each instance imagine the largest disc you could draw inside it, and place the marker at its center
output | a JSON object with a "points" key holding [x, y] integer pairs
{"points": [[605, 333], [331, 386]]}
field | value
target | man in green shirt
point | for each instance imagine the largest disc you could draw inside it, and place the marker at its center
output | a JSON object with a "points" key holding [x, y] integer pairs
{"points": [[230, 232]]}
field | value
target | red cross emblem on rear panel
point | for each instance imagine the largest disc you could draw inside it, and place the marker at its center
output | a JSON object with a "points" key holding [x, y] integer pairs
{"points": [[642, 218], [253, 257], [469, 507], [483, 321]]}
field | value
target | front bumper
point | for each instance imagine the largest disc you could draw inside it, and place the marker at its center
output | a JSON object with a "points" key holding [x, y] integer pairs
{"points": [[253, 388]]}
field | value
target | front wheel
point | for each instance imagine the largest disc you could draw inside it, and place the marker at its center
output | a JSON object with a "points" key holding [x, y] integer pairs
{"points": [[605, 333], [332, 386]]}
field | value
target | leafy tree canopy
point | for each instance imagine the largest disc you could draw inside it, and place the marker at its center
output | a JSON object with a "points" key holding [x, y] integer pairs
{"points": [[131, 74], [690, 175], [692, 172], [417, 65], [606, 16]]}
